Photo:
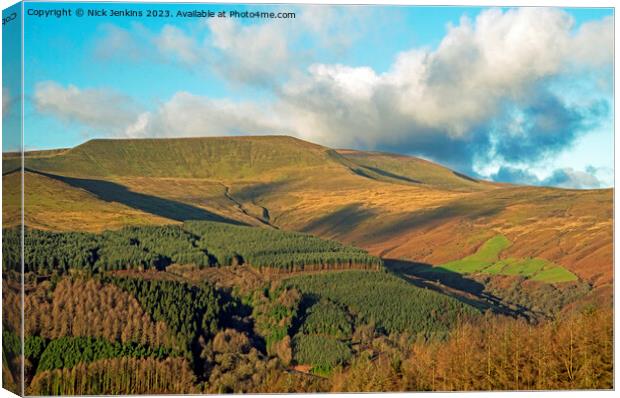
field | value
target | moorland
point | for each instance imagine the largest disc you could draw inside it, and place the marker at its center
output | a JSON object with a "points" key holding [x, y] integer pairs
{"points": [[271, 264]]}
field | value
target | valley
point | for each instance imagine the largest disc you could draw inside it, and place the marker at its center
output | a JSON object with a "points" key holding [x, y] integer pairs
{"points": [[267, 263]]}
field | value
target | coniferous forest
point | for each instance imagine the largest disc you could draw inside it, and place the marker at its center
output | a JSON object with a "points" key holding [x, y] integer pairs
{"points": [[204, 244], [295, 198], [117, 312]]}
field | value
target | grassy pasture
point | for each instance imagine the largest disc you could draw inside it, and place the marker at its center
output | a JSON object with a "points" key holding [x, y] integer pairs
{"points": [[554, 275], [484, 257], [487, 260], [524, 267]]}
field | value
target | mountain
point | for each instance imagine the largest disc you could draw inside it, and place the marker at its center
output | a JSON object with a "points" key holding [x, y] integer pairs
{"points": [[221, 158], [179, 256], [397, 168], [51, 203], [399, 207]]}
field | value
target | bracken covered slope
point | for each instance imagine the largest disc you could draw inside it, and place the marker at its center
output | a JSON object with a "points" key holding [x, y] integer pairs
{"points": [[392, 205]]}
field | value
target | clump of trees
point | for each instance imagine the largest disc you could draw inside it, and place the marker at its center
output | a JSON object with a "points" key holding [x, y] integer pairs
{"points": [[90, 307], [46, 251], [201, 243], [128, 248], [542, 299], [11, 250], [572, 352], [117, 376], [315, 319], [324, 337], [328, 319], [151, 247], [235, 365], [274, 310], [368, 372], [11, 325], [390, 303], [322, 352], [66, 352], [189, 311], [11, 345], [268, 248]]}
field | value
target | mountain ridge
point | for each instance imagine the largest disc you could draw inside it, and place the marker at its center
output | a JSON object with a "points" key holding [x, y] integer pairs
{"points": [[90, 159], [392, 205]]}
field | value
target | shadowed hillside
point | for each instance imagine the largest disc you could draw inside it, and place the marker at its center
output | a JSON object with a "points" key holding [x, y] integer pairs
{"points": [[409, 170], [392, 205], [53, 204], [397, 260]]}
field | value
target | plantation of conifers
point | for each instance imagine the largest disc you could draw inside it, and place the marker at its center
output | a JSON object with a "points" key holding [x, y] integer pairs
{"points": [[108, 313]]}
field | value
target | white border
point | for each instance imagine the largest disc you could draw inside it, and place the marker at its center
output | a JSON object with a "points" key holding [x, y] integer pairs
{"points": [[483, 3]]}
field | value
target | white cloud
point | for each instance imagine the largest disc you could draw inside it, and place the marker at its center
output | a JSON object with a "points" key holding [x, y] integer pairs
{"points": [[132, 44], [173, 42], [137, 43], [502, 56], [257, 54], [249, 53], [482, 95], [593, 43], [97, 108], [336, 28], [139, 127], [186, 114], [268, 53], [485, 82]]}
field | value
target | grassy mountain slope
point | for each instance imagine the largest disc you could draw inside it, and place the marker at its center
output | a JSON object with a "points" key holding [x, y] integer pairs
{"points": [[394, 206], [409, 170], [570, 228], [222, 158], [51, 204]]}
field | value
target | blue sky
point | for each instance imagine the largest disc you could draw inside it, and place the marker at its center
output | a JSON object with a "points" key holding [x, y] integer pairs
{"points": [[11, 79], [516, 95]]}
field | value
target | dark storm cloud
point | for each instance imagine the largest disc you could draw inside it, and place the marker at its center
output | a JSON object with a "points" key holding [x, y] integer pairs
{"points": [[562, 177], [489, 94], [548, 127], [515, 175]]}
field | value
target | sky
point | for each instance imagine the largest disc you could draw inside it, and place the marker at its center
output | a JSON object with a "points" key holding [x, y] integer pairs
{"points": [[522, 95], [11, 79]]}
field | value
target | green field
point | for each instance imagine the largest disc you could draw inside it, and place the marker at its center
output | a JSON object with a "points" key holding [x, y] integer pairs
{"points": [[523, 267], [554, 274], [484, 257], [487, 260]]}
